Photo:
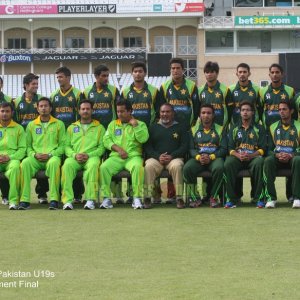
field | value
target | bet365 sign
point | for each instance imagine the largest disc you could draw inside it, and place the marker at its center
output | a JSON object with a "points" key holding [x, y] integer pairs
{"points": [[267, 20]]}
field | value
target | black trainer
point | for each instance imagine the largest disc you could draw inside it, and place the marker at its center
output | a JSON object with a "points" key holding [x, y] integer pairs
{"points": [[24, 205], [53, 205]]}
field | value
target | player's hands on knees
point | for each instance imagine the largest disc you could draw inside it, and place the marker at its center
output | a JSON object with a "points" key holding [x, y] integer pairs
{"points": [[41, 157], [81, 157]]}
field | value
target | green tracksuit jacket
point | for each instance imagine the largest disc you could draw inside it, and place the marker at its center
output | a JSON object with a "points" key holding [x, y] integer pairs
{"points": [[83, 140], [43, 138], [13, 141], [49, 140], [126, 136], [13, 144], [131, 140], [89, 142]]}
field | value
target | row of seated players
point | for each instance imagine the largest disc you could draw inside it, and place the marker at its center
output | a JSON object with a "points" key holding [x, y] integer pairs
{"points": [[165, 144]]}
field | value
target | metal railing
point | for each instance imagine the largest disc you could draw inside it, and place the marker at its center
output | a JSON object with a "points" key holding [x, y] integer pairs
{"points": [[74, 50], [217, 22]]}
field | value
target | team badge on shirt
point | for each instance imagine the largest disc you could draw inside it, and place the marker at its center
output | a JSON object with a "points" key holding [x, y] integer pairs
{"points": [[118, 132], [278, 131], [76, 129], [38, 130]]}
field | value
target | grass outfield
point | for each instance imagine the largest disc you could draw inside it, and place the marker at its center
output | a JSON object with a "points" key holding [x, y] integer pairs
{"points": [[162, 253]]}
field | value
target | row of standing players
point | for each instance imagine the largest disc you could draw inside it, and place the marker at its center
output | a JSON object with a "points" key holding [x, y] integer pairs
{"points": [[181, 93]]}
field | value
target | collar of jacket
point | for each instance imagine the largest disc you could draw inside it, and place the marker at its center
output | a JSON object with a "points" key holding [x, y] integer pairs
{"points": [[38, 121], [93, 123], [11, 124]]}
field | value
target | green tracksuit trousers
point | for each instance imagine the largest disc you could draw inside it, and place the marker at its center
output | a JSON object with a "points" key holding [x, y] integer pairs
{"points": [[30, 166], [270, 167], [231, 168], [193, 167], [90, 178], [12, 172], [115, 164]]}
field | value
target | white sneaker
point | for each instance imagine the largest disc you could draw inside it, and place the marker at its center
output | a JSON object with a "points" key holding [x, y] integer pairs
{"points": [[68, 206], [4, 201], [13, 207], [296, 203], [270, 204], [89, 204], [106, 204], [43, 200], [137, 204]]}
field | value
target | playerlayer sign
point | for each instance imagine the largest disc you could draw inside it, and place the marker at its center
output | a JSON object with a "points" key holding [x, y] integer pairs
{"points": [[267, 21], [114, 7], [87, 9]]}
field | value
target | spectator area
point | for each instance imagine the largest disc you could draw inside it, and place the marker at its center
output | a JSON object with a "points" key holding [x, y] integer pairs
{"points": [[13, 85]]}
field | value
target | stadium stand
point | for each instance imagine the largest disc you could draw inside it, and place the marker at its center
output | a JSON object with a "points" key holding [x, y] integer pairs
{"points": [[13, 85]]}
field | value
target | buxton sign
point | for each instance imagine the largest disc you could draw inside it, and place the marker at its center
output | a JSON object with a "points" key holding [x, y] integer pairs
{"points": [[15, 58]]}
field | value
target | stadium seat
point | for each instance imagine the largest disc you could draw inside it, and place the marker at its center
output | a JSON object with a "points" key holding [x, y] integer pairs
{"points": [[13, 84]]}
